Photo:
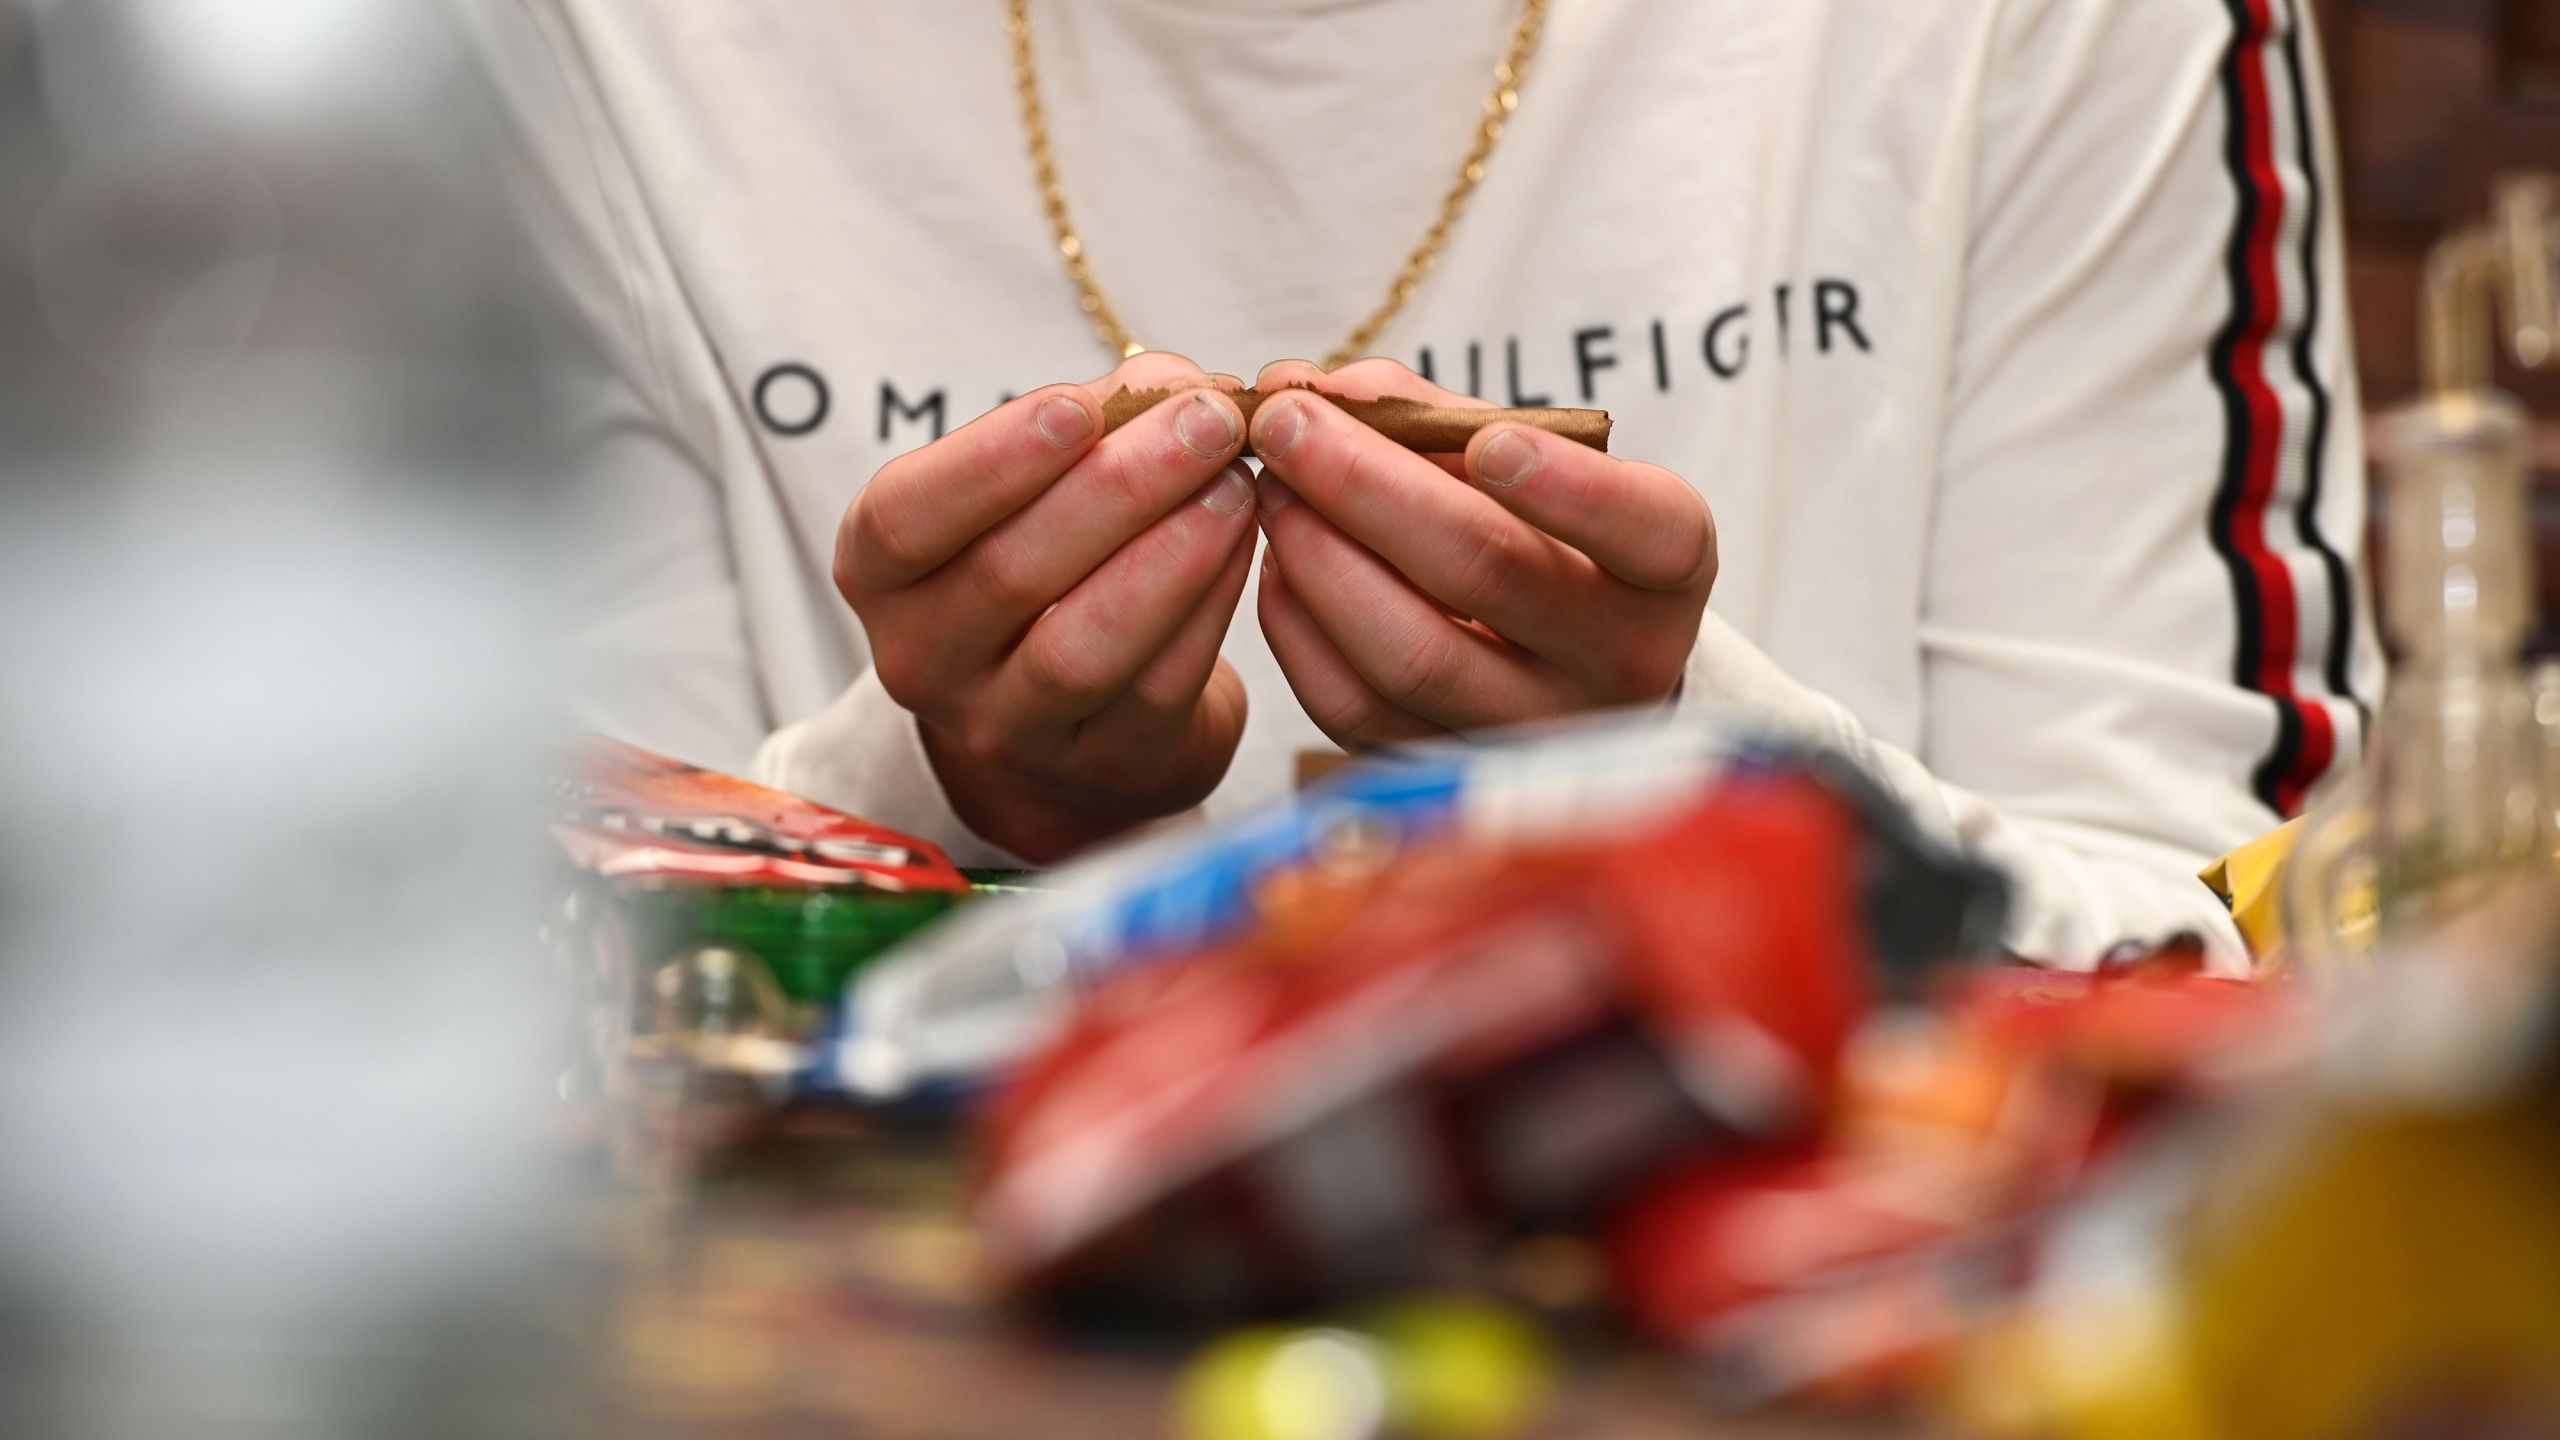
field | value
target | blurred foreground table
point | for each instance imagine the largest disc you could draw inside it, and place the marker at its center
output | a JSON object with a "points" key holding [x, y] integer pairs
{"points": [[820, 1281]]}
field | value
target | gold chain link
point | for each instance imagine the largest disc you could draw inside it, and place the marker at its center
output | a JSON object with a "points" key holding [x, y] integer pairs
{"points": [[1498, 105]]}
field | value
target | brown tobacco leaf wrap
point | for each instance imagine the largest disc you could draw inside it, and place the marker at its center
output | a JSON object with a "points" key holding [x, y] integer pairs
{"points": [[1431, 429]]}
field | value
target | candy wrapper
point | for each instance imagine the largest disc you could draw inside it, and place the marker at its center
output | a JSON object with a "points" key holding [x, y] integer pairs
{"points": [[2151, 1204], [1852, 1266], [1391, 1071], [992, 986], [627, 813], [2370, 1248], [715, 922], [988, 989], [2250, 880]]}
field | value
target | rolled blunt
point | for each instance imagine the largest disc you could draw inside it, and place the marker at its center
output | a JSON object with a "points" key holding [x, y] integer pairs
{"points": [[1431, 429]]}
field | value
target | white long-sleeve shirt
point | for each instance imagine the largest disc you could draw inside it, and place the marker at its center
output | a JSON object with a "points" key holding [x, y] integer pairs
{"points": [[2002, 336]]}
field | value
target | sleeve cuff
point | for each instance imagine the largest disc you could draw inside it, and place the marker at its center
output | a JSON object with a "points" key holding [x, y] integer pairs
{"points": [[862, 755], [1729, 675], [2078, 893]]}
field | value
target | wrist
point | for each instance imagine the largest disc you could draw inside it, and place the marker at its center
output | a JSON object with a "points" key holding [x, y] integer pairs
{"points": [[1043, 824]]}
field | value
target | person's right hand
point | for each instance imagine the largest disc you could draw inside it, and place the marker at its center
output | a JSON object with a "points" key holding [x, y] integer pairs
{"points": [[1050, 606]]}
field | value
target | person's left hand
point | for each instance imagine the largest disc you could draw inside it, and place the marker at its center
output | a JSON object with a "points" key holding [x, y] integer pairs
{"points": [[1408, 596]]}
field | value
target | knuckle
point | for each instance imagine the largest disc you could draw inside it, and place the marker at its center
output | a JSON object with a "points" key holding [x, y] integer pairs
{"points": [[900, 674], [1008, 578], [1706, 559], [1689, 547], [868, 534], [994, 741], [1350, 718], [1333, 444], [1172, 559], [898, 471], [846, 570], [1063, 670], [1425, 673], [889, 534], [1490, 566], [1649, 670], [1161, 694], [1120, 477]]}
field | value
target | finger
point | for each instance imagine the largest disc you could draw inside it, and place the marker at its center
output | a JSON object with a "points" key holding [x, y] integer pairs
{"points": [[1411, 652], [1641, 523], [1148, 370], [925, 506], [1370, 379], [1375, 377], [1281, 374], [1136, 475], [1091, 646], [1348, 709], [1198, 741], [1447, 537], [1171, 682], [1163, 370]]}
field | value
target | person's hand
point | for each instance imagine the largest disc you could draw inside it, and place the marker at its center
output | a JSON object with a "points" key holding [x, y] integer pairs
{"points": [[1408, 596], [1049, 605]]}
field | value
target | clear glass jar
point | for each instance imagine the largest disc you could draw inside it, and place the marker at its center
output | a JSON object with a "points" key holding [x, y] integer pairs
{"points": [[2457, 795]]}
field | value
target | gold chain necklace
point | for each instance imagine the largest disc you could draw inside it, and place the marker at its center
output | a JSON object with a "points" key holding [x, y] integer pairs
{"points": [[1498, 105]]}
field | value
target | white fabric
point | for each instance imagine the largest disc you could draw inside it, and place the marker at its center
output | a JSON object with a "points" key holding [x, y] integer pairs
{"points": [[1923, 298]]}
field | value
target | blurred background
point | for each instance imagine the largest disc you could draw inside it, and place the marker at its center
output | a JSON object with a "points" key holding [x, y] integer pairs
{"points": [[279, 470], [2434, 99], [274, 460]]}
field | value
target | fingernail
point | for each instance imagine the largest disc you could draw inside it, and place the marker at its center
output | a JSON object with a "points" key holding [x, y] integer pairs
{"points": [[1278, 425], [1274, 496], [1506, 459], [1230, 492], [1063, 422], [1206, 427]]}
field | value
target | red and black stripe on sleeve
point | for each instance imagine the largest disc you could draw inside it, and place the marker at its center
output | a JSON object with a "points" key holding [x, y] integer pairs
{"points": [[2290, 584]]}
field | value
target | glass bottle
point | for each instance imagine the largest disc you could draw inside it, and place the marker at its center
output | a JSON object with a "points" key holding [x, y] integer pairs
{"points": [[2453, 800]]}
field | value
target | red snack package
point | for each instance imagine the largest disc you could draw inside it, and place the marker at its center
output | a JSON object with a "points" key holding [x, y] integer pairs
{"points": [[2147, 1025], [1469, 1045], [624, 811], [1813, 1269], [1851, 1267]]}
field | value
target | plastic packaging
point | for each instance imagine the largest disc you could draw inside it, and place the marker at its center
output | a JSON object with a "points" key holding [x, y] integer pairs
{"points": [[989, 985]]}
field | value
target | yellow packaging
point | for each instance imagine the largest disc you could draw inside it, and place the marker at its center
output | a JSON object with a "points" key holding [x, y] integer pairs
{"points": [[2250, 880]]}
